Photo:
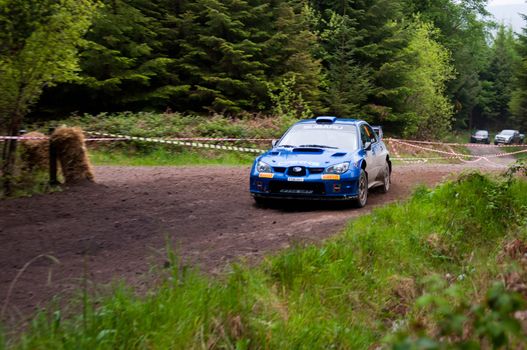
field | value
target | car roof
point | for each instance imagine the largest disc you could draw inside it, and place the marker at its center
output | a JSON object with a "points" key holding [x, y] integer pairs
{"points": [[336, 120]]}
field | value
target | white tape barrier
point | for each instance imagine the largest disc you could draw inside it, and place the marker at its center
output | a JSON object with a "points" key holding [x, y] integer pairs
{"points": [[3, 138], [454, 144], [21, 138], [451, 155], [460, 155], [391, 141], [182, 143]]}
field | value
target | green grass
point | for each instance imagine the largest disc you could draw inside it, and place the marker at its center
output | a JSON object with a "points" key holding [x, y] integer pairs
{"points": [[27, 184], [458, 136], [167, 157], [343, 294], [515, 149]]}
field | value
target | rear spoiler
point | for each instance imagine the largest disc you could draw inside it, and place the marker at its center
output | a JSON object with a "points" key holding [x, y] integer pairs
{"points": [[378, 131]]}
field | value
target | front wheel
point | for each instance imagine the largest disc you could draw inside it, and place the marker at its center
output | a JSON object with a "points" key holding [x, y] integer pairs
{"points": [[363, 190], [262, 202], [386, 179]]}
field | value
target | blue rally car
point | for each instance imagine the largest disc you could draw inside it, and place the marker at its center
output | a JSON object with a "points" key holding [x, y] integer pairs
{"points": [[323, 158]]}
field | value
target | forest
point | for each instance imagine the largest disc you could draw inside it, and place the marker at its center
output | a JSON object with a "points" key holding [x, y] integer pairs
{"points": [[418, 67]]}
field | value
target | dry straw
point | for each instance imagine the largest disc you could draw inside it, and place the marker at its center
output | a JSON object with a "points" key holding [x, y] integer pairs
{"points": [[72, 154], [35, 153]]}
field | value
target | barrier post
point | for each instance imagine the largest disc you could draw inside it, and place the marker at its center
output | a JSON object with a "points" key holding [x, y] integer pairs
{"points": [[52, 160]]}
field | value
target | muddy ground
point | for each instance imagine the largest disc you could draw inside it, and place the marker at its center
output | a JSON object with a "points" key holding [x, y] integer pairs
{"points": [[118, 228]]}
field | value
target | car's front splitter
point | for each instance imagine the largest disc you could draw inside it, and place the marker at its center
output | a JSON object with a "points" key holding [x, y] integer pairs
{"points": [[305, 197]]}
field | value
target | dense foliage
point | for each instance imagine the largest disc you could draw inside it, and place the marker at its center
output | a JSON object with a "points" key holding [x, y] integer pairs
{"points": [[415, 66], [419, 67], [38, 49], [518, 102]]}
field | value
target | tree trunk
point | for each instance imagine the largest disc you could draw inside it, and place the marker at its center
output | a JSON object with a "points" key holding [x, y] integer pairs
{"points": [[9, 160], [470, 119]]}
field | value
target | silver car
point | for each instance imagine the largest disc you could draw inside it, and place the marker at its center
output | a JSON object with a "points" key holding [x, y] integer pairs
{"points": [[508, 137]]}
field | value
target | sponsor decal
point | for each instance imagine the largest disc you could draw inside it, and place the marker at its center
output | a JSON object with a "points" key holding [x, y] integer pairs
{"points": [[295, 179], [324, 126], [330, 177], [266, 175], [299, 162]]}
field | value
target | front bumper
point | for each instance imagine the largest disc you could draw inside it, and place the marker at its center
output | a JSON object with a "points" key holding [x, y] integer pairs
{"points": [[478, 140], [503, 141], [309, 187]]}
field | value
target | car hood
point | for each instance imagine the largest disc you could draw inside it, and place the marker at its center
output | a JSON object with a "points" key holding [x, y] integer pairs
{"points": [[309, 157], [505, 136]]}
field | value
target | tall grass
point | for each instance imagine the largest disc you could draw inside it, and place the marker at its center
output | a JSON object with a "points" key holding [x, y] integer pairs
{"points": [[516, 149], [346, 293], [166, 156]]}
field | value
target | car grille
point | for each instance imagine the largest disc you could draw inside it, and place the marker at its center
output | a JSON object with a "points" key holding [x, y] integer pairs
{"points": [[296, 171], [282, 187], [316, 170], [279, 169]]}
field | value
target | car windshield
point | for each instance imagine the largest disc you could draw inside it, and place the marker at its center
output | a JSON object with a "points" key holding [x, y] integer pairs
{"points": [[508, 132], [321, 135], [481, 133]]}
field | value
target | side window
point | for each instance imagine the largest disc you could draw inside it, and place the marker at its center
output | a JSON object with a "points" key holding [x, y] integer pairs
{"points": [[363, 134], [372, 137]]}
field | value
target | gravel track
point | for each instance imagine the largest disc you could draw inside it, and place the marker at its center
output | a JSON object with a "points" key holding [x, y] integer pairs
{"points": [[117, 229]]}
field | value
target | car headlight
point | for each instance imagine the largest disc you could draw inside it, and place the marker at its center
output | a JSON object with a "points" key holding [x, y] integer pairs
{"points": [[338, 168], [262, 167]]}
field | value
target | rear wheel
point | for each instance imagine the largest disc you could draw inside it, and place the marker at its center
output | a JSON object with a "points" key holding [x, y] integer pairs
{"points": [[363, 190], [386, 180]]}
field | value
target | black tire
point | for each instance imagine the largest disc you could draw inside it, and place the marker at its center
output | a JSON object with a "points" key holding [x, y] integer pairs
{"points": [[362, 199], [262, 202], [386, 179]]}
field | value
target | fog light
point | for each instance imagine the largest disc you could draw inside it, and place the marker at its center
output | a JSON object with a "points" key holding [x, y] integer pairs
{"points": [[336, 188], [259, 185]]}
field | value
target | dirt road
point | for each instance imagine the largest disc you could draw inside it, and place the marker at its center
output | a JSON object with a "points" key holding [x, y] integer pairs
{"points": [[496, 162], [118, 228]]}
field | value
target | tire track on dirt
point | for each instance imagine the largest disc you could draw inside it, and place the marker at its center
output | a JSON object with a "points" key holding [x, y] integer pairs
{"points": [[118, 228]]}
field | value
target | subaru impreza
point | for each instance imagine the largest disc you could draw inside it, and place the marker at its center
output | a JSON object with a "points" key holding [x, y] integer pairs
{"points": [[325, 158]]}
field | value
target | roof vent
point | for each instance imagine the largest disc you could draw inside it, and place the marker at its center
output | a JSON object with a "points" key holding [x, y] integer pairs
{"points": [[326, 120]]}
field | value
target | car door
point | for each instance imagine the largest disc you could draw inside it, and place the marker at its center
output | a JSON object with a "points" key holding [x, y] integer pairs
{"points": [[372, 166], [378, 152]]}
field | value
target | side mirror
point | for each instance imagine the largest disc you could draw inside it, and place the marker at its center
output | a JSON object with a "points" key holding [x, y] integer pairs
{"points": [[274, 142], [367, 145]]}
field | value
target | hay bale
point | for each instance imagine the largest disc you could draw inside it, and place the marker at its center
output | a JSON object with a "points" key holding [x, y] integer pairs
{"points": [[72, 154], [35, 153]]}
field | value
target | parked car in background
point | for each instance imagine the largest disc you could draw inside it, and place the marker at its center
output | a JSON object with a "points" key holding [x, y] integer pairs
{"points": [[323, 159], [509, 137], [480, 136]]}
